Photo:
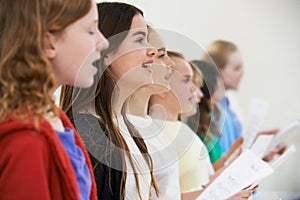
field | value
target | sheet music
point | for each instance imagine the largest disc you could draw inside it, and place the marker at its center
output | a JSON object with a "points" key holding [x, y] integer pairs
{"points": [[244, 171], [283, 157], [288, 131], [258, 110], [261, 145]]}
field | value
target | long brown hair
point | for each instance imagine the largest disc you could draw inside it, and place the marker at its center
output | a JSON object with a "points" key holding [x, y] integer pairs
{"points": [[27, 81], [203, 123], [114, 18]]}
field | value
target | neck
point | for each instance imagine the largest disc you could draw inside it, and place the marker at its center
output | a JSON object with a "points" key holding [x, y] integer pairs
{"points": [[138, 103], [163, 110], [123, 93]]}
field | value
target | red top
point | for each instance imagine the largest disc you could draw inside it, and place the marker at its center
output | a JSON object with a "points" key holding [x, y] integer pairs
{"points": [[35, 165]]}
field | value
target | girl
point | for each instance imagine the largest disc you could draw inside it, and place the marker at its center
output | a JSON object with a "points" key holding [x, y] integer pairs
{"points": [[44, 44], [166, 107], [205, 123], [163, 153], [122, 165], [229, 61]]}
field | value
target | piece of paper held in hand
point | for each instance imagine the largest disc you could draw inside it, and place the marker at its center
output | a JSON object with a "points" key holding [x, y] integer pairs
{"points": [[258, 110], [276, 163], [261, 145], [289, 131], [244, 171]]}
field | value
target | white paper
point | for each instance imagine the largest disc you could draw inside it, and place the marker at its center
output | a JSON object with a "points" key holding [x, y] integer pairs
{"points": [[288, 131], [244, 171], [261, 145], [283, 157], [258, 110]]}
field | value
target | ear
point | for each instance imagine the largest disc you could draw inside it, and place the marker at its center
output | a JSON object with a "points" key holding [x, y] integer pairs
{"points": [[50, 45], [108, 59]]}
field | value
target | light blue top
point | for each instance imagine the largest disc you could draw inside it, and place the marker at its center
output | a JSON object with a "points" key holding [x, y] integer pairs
{"points": [[231, 129], [78, 161]]}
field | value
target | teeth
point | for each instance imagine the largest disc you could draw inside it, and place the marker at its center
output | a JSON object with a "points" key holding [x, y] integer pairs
{"points": [[147, 65]]}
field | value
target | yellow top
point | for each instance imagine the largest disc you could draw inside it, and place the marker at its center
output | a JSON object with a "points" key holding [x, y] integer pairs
{"points": [[193, 156]]}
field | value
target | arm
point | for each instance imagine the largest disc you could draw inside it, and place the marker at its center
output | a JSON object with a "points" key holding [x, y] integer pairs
{"points": [[24, 164], [279, 149], [234, 151]]}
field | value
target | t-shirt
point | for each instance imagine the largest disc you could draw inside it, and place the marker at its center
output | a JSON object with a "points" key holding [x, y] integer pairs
{"points": [[140, 163], [164, 157], [229, 126], [193, 156], [77, 158], [213, 147], [66, 136]]}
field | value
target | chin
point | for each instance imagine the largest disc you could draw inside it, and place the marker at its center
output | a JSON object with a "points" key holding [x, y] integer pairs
{"points": [[84, 84]]}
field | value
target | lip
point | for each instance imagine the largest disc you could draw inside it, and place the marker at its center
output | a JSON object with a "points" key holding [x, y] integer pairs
{"points": [[149, 62], [147, 66]]}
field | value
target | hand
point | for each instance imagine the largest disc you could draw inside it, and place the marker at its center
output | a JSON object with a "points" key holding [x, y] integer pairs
{"points": [[244, 194], [234, 151], [279, 149]]}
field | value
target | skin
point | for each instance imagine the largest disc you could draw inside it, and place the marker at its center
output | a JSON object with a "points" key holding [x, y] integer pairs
{"points": [[233, 71], [162, 69], [73, 52], [129, 63]]}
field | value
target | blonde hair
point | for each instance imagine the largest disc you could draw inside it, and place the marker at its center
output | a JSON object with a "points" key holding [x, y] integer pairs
{"points": [[27, 81], [219, 51]]}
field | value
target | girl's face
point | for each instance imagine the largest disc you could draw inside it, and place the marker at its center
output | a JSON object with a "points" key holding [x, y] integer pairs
{"points": [[163, 67], [233, 71], [181, 86], [134, 55], [219, 91], [76, 49], [197, 84]]}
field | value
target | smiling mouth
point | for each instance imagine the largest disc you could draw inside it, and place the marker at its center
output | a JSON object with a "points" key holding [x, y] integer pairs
{"points": [[147, 65]]}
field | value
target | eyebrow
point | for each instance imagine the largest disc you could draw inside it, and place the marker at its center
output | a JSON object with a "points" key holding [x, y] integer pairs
{"points": [[161, 49], [139, 33]]}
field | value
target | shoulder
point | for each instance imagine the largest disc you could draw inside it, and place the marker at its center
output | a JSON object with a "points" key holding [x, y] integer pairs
{"points": [[29, 142]]}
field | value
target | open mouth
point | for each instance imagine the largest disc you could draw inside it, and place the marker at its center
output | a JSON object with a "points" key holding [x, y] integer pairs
{"points": [[148, 67]]}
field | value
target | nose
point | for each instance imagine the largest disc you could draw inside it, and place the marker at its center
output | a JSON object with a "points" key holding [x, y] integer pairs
{"points": [[170, 63], [197, 92], [102, 42], [151, 51]]}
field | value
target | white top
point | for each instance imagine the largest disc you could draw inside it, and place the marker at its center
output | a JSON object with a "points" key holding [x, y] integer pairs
{"points": [[164, 157], [193, 156], [144, 177]]}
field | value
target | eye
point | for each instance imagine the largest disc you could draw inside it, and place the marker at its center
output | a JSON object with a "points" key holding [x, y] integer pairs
{"points": [[140, 40], [186, 80], [161, 55]]}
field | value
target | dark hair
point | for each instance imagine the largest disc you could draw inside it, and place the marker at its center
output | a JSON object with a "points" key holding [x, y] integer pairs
{"points": [[204, 125], [114, 22]]}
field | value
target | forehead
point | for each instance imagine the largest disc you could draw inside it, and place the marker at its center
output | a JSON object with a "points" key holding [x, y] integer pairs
{"points": [[235, 58], [155, 40], [182, 66], [138, 22]]}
